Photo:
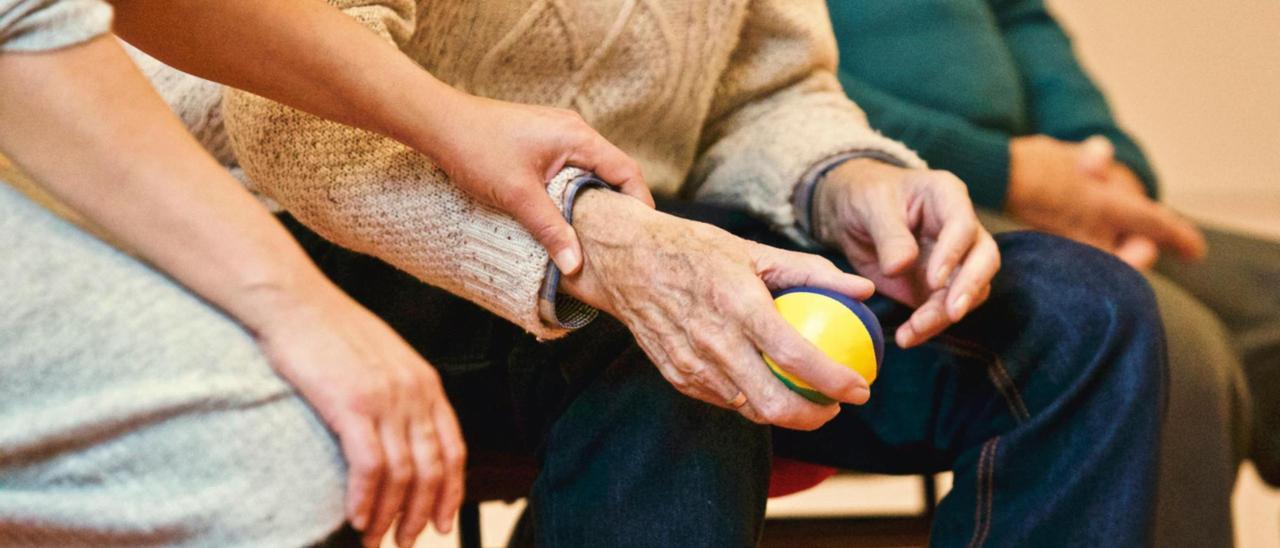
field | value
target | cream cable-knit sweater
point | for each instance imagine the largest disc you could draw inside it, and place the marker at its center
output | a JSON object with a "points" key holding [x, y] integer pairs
{"points": [[727, 101]]}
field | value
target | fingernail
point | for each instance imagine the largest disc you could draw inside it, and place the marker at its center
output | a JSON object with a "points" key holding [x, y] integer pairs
{"points": [[903, 338], [567, 260], [861, 394], [360, 522], [941, 275], [960, 306]]}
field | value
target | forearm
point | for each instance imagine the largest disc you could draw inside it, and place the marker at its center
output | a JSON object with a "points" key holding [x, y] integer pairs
{"points": [[1064, 100], [778, 118], [302, 53], [85, 124]]}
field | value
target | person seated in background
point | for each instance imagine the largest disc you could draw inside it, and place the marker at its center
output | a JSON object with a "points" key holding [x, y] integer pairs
{"points": [[992, 91], [654, 425]]}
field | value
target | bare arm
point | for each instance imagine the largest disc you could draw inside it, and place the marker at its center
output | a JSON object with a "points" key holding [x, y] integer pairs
{"points": [[322, 61], [312, 57], [85, 124]]}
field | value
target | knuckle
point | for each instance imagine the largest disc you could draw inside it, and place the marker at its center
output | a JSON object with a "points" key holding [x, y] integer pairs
{"points": [[408, 380], [572, 120], [701, 377], [819, 263], [704, 343], [456, 459], [368, 397], [430, 476], [547, 232], [785, 355], [400, 471], [681, 384], [370, 465], [843, 384], [428, 376], [772, 410]]}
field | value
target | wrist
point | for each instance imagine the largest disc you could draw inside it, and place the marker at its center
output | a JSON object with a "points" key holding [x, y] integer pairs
{"points": [[266, 305], [832, 197], [423, 116], [608, 225], [1024, 173]]}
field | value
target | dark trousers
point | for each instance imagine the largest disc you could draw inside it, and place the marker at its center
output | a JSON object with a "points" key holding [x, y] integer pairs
{"points": [[1046, 403]]}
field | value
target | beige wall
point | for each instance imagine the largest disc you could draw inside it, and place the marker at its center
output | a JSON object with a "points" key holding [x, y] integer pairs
{"points": [[1199, 83]]}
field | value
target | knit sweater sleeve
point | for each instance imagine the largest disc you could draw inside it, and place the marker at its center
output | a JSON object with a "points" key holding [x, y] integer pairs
{"points": [[376, 196], [780, 115], [40, 25], [978, 155], [1065, 103]]}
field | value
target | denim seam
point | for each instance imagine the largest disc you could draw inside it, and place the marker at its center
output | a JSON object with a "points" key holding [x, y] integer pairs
{"points": [[996, 371], [986, 492]]}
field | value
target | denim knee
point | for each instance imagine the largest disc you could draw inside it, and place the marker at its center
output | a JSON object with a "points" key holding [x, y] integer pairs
{"points": [[1095, 312]]}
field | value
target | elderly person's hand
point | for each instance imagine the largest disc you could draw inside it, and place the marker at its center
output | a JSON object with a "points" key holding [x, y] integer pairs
{"points": [[697, 300], [1079, 191], [915, 234]]}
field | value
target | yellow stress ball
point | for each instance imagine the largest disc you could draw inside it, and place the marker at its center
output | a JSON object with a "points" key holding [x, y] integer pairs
{"points": [[843, 328]]}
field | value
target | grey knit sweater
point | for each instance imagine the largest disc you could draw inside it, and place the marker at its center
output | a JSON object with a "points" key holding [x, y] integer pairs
{"points": [[131, 412]]}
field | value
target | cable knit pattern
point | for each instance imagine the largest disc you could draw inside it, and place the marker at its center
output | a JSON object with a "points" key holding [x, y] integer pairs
{"points": [[730, 101], [198, 102]]}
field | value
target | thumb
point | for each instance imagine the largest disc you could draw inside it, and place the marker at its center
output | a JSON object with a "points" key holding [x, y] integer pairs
{"points": [[895, 244], [613, 166], [546, 224], [1139, 252], [1095, 155]]}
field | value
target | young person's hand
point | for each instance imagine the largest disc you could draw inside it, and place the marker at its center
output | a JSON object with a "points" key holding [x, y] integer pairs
{"points": [[327, 63], [404, 450], [1078, 190], [174, 206], [915, 234], [697, 300], [503, 154]]}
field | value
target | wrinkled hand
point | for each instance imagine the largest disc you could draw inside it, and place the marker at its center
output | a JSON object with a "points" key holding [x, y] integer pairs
{"points": [[697, 300], [1080, 192], [404, 450], [503, 154], [915, 234]]}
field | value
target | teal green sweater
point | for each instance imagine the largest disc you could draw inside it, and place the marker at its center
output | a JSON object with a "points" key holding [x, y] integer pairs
{"points": [[956, 79]]}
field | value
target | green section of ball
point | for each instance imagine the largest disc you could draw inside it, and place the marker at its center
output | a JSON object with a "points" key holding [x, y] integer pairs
{"points": [[808, 393]]}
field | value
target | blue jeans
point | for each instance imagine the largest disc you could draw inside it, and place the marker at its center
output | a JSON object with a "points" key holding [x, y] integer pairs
{"points": [[1046, 402]]}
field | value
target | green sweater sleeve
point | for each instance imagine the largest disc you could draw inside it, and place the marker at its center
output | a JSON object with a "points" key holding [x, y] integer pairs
{"points": [[979, 156], [1064, 102]]}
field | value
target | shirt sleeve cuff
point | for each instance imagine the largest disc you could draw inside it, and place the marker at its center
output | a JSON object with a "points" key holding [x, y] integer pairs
{"points": [[556, 309], [44, 25], [805, 193]]}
